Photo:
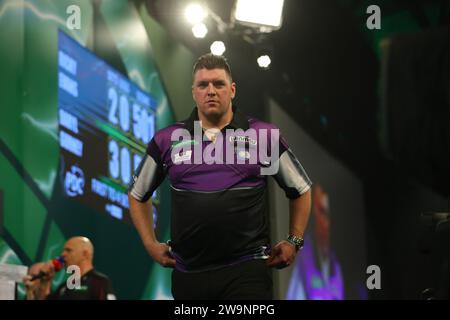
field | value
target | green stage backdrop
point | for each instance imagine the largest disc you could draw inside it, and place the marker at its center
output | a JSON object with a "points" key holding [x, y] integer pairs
{"points": [[36, 217]]}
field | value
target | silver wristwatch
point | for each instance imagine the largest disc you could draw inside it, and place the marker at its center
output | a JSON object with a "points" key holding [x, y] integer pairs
{"points": [[298, 242]]}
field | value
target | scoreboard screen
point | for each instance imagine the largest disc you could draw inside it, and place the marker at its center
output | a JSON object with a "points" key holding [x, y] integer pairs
{"points": [[105, 123]]}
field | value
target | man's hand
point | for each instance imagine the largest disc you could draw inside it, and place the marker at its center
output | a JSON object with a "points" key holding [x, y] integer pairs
{"points": [[160, 252], [49, 270], [282, 255], [141, 214], [38, 289], [30, 285]]}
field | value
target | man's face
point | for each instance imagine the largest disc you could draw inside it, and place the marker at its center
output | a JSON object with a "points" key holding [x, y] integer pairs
{"points": [[212, 91], [72, 253]]}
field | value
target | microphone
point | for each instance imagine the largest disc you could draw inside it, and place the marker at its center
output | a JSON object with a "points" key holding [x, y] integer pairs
{"points": [[58, 264]]}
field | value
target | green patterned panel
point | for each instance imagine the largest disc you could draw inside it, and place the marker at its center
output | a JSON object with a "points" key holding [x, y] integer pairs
{"points": [[24, 214], [133, 45], [175, 63], [55, 243], [11, 60], [7, 255], [39, 105]]}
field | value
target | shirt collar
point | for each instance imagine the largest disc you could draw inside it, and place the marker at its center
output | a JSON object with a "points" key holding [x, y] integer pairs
{"points": [[239, 121]]}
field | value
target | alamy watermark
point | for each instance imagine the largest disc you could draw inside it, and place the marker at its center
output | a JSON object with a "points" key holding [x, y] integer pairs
{"points": [[374, 20], [74, 280], [74, 20], [374, 280], [236, 147]]}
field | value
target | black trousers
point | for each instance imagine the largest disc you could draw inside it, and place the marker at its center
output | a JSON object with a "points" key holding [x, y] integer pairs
{"points": [[250, 280]]}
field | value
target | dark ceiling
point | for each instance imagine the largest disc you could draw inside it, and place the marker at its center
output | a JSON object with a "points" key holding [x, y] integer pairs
{"points": [[325, 70]]}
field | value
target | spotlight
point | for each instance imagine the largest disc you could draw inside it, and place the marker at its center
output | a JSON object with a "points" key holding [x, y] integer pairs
{"points": [[195, 13], [217, 48], [264, 61], [259, 13], [199, 30]]}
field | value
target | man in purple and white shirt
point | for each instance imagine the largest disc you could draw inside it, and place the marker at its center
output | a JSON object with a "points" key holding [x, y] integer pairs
{"points": [[217, 162]]}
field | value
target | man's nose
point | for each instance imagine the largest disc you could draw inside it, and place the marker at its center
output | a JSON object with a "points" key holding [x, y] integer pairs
{"points": [[211, 90]]}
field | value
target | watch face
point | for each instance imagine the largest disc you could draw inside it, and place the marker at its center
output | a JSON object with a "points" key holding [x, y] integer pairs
{"points": [[296, 241]]}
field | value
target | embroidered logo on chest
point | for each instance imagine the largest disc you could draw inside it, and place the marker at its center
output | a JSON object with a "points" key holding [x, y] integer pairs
{"points": [[182, 156]]}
